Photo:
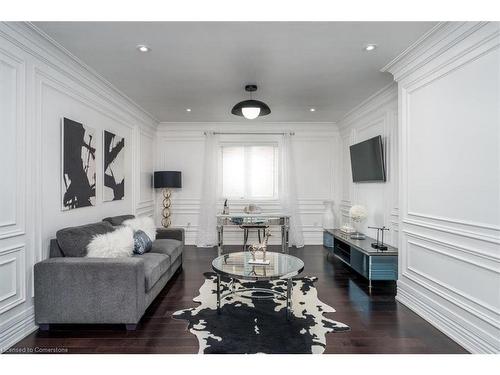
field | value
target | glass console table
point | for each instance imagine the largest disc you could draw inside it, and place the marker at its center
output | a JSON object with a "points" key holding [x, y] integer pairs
{"points": [[239, 219]]}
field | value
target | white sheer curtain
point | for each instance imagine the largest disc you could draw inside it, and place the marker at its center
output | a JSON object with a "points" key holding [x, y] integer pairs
{"points": [[207, 223], [288, 192]]}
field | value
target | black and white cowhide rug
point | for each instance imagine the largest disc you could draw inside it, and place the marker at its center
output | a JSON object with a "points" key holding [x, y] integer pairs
{"points": [[249, 325]]}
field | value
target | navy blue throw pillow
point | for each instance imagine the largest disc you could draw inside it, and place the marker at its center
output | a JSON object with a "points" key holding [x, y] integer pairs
{"points": [[142, 243]]}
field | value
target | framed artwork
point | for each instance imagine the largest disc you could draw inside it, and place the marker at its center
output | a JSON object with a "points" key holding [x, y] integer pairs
{"points": [[78, 165], [114, 167]]}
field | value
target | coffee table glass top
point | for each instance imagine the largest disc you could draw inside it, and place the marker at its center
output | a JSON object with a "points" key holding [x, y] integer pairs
{"points": [[235, 265]]}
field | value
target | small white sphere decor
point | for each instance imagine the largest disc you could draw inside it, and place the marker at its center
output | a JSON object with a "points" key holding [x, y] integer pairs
{"points": [[358, 214]]}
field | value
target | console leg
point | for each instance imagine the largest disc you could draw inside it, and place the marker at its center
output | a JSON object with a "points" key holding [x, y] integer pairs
{"points": [[218, 294], [283, 239], [44, 327], [131, 327], [289, 285], [220, 239]]}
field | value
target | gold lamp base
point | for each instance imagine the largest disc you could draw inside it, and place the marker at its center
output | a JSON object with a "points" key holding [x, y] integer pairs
{"points": [[166, 222]]}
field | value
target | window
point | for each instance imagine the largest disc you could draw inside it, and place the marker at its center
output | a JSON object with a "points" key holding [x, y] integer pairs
{"points": [[249, 171]]}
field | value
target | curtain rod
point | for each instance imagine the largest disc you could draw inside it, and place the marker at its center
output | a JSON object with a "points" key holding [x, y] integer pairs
{"points": [[250, 133]]}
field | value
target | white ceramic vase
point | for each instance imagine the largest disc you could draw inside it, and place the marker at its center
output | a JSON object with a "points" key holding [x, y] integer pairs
{"points": [[328, 218]]}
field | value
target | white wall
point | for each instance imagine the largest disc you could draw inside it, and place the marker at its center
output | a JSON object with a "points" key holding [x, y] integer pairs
{"points": [[375, 116], [180, 147], [41, 83], [449, 103]]}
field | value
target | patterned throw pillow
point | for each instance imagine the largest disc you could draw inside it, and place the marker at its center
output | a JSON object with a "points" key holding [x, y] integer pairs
{"points": [[144, 223], [142, 242]]}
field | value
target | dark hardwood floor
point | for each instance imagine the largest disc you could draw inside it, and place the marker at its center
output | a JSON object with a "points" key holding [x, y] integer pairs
{"points": [[378, 323]]}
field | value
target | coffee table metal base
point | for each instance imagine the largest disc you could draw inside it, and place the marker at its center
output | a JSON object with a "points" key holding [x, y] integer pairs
{"points": [[268, 293]]}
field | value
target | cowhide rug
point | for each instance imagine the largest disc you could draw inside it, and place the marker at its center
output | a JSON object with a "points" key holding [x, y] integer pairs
{"points": [[248, 325]]}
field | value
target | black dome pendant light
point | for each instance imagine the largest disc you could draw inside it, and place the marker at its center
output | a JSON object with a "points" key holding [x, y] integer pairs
{"points": [[251, 109]]}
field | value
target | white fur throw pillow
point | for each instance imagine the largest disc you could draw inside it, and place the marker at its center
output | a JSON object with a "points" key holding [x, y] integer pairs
{"points": [[144, 223], [116, 244]]}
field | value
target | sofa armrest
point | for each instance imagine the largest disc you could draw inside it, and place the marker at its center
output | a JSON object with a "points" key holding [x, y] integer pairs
{"points": [[170, 233], [89, 290]]}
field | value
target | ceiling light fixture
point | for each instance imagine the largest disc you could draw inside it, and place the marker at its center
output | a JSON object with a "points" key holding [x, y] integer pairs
{"points": [[312, 109], [188, 109], [370, 47], [143, 48], [251, 109]]}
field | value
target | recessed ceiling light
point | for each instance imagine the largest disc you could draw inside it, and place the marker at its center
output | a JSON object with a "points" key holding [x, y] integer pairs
{"points": [[143, 48], [188, 109], [312, 109], [370, 47]]}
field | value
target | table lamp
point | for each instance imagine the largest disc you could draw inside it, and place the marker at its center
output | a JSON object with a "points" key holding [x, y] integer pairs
{"points": [[166, 180]]}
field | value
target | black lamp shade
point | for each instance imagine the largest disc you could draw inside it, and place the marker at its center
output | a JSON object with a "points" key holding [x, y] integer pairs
{"points": [[167, 179], [238, 108]]}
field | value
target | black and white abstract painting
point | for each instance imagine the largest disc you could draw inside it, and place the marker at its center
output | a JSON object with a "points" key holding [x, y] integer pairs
{"points": [[78, 165], [114, 167]]}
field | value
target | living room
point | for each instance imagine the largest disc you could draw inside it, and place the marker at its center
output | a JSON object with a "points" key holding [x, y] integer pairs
{"points": [[279, 187]]}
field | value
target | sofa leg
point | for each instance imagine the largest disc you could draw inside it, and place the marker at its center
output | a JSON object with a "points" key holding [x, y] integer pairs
{"points": [[44, 327], [131, 327]]}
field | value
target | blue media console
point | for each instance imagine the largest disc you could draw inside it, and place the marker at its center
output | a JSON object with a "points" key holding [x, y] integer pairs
{"points": [[371, 263]]}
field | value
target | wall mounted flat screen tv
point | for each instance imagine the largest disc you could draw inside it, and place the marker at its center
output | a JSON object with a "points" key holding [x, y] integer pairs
{"points": [[367, 161]]}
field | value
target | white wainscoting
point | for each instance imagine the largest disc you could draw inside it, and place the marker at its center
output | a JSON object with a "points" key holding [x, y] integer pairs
{"points": [[449, 269], [375, 116], [44, 83], [12, 280], [12, 145], [180, 147], [145, 166]]}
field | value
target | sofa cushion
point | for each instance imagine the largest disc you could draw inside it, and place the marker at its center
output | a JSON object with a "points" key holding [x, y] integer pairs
{"points": [[117, 220], [155, 265], [172, 248], [73, 241]]}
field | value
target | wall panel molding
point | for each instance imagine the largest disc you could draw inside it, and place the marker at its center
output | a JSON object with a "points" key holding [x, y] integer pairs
{"points": [[48, 84], [449, 263], [415, 247], [145, 165], [459, 223], [374, 116], [180, 147], [445, 319], [15, 122], [12, 258]]}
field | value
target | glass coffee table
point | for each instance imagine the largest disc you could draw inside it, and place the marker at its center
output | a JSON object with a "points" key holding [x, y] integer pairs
{"points": [[237, 266]]}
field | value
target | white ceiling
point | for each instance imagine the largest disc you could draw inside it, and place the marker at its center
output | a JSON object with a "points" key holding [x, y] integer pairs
{"points": [[205, 65]]}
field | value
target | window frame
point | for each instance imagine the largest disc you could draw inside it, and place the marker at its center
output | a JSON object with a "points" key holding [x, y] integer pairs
{"points": [[249, 143]]}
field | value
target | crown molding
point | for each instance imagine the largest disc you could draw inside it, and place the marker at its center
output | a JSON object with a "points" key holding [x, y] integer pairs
{"points": [[330, 127], [408, 52], [434, 45], [40, 45], [371, 104], [197, 123]]}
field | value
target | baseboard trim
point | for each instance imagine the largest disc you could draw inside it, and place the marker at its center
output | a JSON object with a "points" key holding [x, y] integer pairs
{"points": [[436, 315], [17, 328]]}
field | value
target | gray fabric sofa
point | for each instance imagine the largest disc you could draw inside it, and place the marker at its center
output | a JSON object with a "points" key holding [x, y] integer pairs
{"points": [[71, 288]]}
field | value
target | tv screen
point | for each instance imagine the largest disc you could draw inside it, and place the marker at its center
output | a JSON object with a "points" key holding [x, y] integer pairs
{"points": [[367, 161]]}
